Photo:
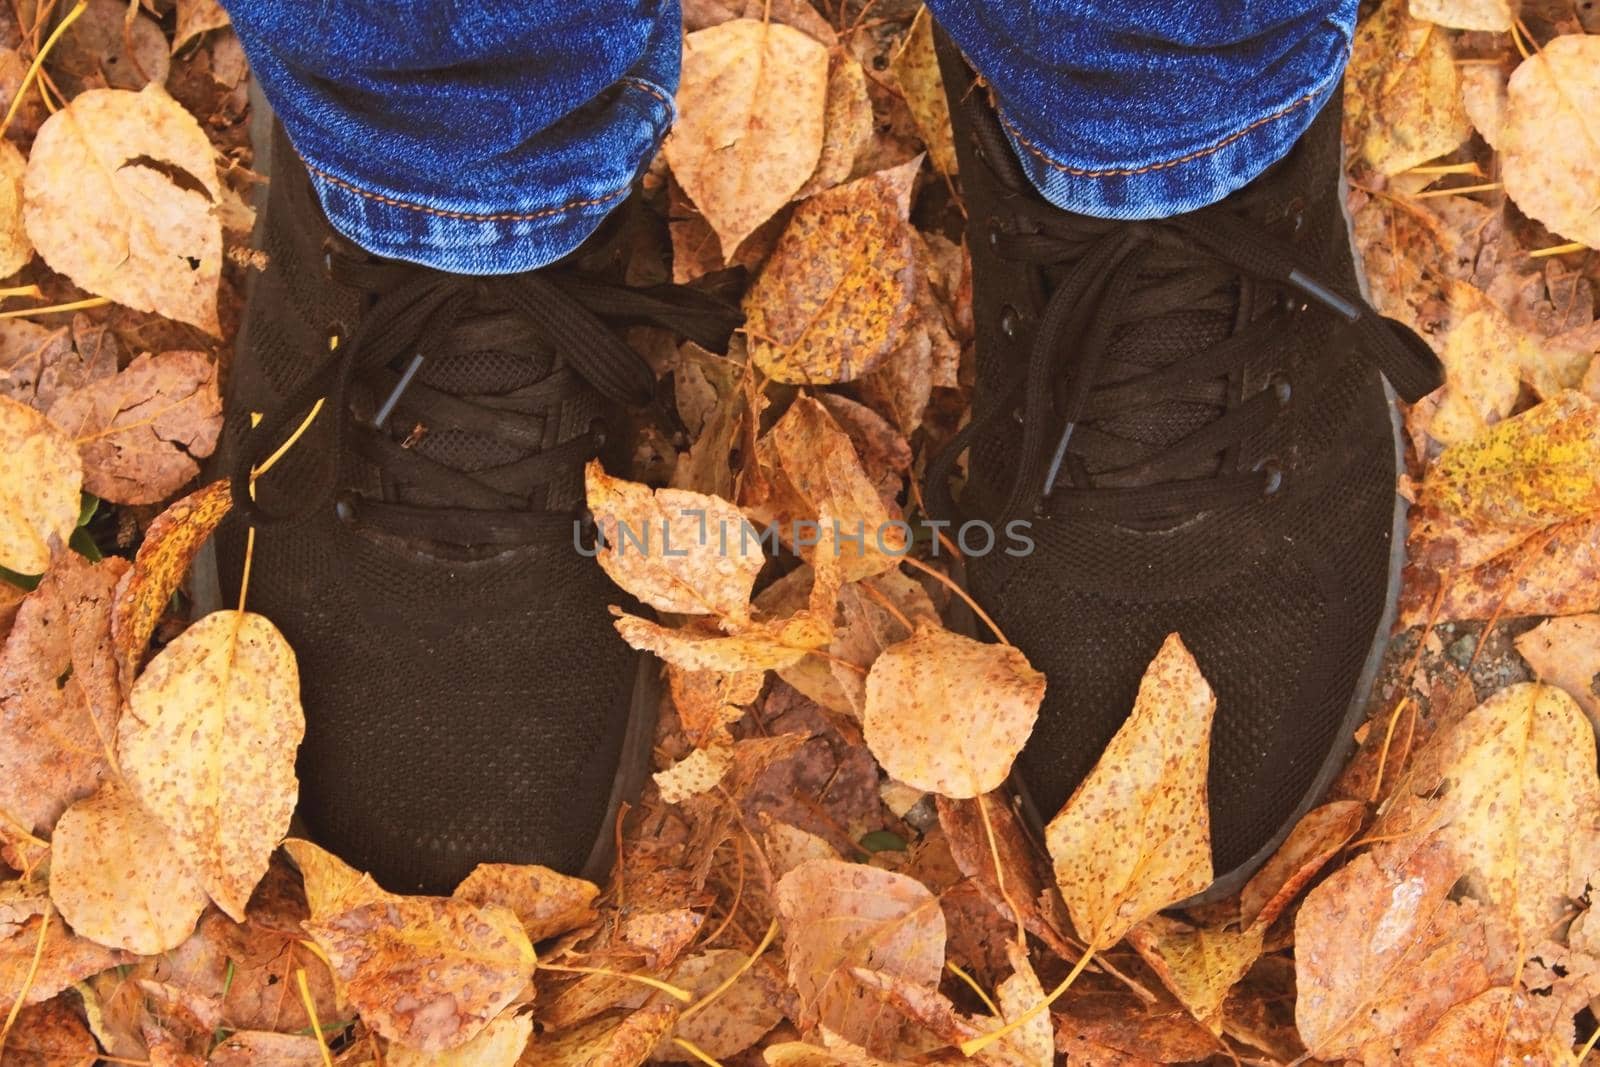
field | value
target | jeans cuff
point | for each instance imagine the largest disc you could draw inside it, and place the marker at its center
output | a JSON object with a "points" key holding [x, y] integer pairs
{"points": [[552, 213], [1162, 188]]}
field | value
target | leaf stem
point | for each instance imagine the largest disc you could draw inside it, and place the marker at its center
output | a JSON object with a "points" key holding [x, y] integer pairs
{"points": [[977, 1044], [38, 61]]}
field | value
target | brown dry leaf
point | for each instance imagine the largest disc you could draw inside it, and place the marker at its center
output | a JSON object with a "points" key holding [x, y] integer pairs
{"points": [[65, 958], [916, 68], [40, 476], [900, 389], [1318, 837], [117, 879], [170, 545], [546, 902], [1117, 1031], [1483, 95], [661, 936], [42, 365], [1496, 1028], [196, 17], [1381, 952], [834, 1052], [49, 1035], [59, 697], [815, 471], [1550, 141], [429, 973], [708, 702], [675, 550], [839, 915], [948, 714], [101, 208], [733, 1022], [1135, 836], [500, 1044], [141, 432], [207, 745], [1553, 573], [1483, 356], [263, 1048], [332, 885], [1566, 653], [15, 248], [707, 650], [610, 1041], [847, 124], [1401, 114], [1492, 15], [1198, 964], [1510, 790], [1032, 1044], [751, 106], [1026, 883], [836, 295]]}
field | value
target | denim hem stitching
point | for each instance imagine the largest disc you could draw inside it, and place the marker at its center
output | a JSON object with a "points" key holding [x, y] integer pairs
{"points": [[1123, 172], [470, 216]]}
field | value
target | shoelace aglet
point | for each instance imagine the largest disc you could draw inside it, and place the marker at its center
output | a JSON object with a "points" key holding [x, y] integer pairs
{"points": [[1056, 460], [387, 407], [1322, 294]]}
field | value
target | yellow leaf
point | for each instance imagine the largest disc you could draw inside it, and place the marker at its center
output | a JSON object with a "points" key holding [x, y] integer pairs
{"points": [[846, 123], [120, 228], [948, 714], [677, 551], [207, 745], [15, 248], [1492, 15], [1200, 965], [40, 476], [1401, 97], [66, 958], [609, 1041], [1315, 840], [546, 902], [1550, 141], [332, 885], [693, 650], [750, 121], [1566, 653], [117, 879], [1135, 836], [735, 1020], [696, 773], [837, 293], [916, 68], [499, 1045]]}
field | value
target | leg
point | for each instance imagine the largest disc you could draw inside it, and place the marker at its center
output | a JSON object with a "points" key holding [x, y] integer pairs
{"points": [[491, 141], [1130, 109]]}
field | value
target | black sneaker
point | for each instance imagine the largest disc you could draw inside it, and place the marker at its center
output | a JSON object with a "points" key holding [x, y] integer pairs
{"points": [[1192, 413], [466, 697]]}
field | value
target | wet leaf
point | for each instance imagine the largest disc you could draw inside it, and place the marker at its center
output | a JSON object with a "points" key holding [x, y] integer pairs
{"points": [[429, 973], [1566, 653], [169, 548], [546, 902], [208, 745], [1550, 141], [141, 432], [840, 915], [751, 104], [59, 697], [40, 476], [675, 550], [1135, 836], [117, 879], [835, 296], [1401, 114], [949, 714], [102, 206]]}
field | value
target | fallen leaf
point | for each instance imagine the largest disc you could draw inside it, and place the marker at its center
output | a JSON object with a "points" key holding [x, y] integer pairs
{"points": [[1381, 952], [1497, 1028], [836, 1052], [1483, 355], [429, 973], [332, 885], [1550, 141], [610, 1041], [787, 847], [708, 702], [677, 551], [837, 292], [916, 69], [59, 698], [500, 1044], [1492, 15], [1025, 882], [1510, 790], [1120, 1032], [733, 1022], [696, 773], [1566, 653], [1135, 836], [1402, 114], [102, 207], [141, 432], [15, 248], [949, 714], [846, 125], [117, 879], [208, 743], [170, 545], [751, 105], [546, 902], [40, 475], [196, 17], [694, 650], [261, 1048], [64, 959], [1553, 573], [839, 915], [661, 936], [1200, 965], [49, 1035], [1315, 840], [1031, 1044], [1483, 96]]}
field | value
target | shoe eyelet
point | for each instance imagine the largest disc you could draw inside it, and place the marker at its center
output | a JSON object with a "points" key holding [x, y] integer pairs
{"points": [[1271, 471], [1291, 303], [1282, 388], [345, 508], [1010, 322], [1017, 415]]}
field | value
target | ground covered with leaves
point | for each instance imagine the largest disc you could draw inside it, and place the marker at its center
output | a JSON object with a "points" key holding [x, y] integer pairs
{"points": [[827, 869]]}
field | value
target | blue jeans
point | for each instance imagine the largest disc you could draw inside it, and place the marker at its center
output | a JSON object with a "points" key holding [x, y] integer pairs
{"points": [[491, 136]]}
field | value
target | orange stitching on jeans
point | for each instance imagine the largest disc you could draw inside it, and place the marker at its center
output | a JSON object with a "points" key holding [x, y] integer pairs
{"points": [[1079, 172], [470, 216]]}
